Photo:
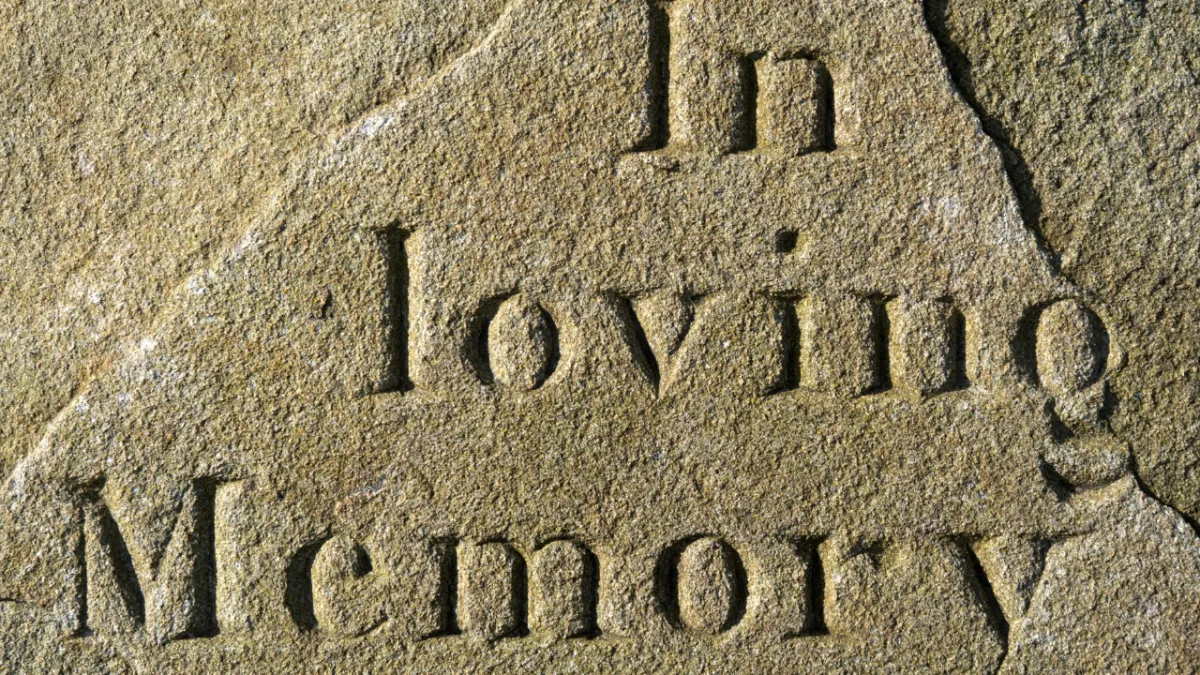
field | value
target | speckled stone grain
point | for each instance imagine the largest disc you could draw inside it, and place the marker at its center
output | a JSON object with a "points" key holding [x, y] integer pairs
{"points": [[636, 336]]}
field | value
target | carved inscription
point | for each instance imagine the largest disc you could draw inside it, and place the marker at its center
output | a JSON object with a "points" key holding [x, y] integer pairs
{"points": [[443, 609], [1012, 567], [564, 582], [927, 347], [840, 346], [810, 597], [345, 598], [710, 586], [658, 323], [113, 599], [711, 93], [393, 243], [1072, 353], [173, 597], [795, 109], [703, 586], [461, 562], [491, 590], [521, 344]]}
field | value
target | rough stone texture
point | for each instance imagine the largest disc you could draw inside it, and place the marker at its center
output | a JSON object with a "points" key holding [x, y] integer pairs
{"points": [[570, 335], [564, 578]]}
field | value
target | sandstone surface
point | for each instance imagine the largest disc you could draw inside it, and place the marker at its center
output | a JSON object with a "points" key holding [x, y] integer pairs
{"points": [[600, 336]]}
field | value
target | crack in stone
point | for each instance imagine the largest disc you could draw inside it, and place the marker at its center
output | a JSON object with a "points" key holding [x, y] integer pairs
{"points": [[77, 391], [1020, 175]]}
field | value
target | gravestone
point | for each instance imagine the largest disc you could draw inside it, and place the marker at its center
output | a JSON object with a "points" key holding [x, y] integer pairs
{"points": [[605, 336]]}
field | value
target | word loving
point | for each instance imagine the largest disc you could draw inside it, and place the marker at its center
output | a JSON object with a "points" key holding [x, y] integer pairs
{"points": [[840, 344]]}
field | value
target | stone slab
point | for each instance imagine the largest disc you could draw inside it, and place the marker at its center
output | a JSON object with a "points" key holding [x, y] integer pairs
{"points": [[600, 336]]}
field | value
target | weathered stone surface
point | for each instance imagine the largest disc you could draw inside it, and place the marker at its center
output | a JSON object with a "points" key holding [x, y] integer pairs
{"points": [[710, 589], [565, 579], [927, 346], [602, 336], [522, 344]]}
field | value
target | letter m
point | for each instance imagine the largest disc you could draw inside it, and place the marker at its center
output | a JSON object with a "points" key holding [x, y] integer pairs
{"points": [[170, 593]]}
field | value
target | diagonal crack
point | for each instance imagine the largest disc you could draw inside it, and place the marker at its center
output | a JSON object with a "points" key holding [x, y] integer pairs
{"points": [[209, 255], [986, 595], [1020, 175], [1144, 487]]}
